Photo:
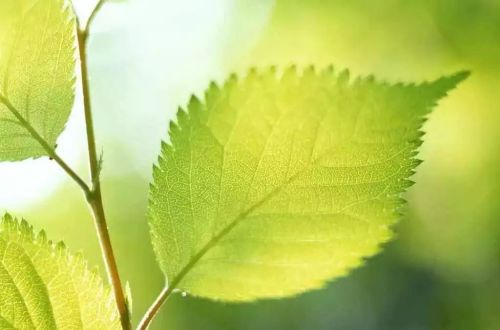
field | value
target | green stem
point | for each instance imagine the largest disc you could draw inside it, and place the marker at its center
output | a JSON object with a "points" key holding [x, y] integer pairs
{"points": [[94, 194], [95, 198], [155, 307], [48, 149]]}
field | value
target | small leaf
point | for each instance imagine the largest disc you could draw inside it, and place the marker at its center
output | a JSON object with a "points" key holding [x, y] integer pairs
{"points": [[45, 287], [274, 185], [37, 75]]}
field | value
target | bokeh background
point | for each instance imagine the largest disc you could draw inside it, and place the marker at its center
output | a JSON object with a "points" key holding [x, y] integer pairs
{"points": [[147, 56]]}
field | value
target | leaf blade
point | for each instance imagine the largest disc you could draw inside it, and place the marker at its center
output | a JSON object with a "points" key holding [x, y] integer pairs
{"points": [[37, 75], [43, 286], [273, 186]]}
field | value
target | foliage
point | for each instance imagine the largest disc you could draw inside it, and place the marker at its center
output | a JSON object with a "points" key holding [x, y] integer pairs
{"points": [[37, 76], [274, 185], [43, 286]]}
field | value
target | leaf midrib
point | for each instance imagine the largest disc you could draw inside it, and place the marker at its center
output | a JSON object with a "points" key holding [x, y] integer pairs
{"points": [[243, 215], [24, 123], [226, 230], [40, 279], [15, 285]]}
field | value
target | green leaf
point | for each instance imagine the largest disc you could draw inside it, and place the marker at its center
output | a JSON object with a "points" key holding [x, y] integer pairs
{"points": [[275, 185], [37, 75], [45, 287]]}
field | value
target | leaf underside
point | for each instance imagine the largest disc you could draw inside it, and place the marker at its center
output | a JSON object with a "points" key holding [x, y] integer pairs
{"points": [[42, 286], [275, 184], [37, 75]]}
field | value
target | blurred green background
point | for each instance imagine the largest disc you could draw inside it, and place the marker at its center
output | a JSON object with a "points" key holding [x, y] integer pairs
{"points": [[147, 56]]}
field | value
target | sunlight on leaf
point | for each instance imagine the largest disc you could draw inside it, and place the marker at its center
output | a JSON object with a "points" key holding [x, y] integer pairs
{"points": [[45, 287], [276, 184], [37, 75]]}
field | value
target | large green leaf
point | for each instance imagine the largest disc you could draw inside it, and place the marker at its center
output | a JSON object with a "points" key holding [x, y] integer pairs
{"points": [[42, 286], [275, 185], [37, 75]]}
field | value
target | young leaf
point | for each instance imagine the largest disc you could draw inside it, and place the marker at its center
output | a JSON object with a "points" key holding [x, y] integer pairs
{"points": [[275, 185], [37, 75], [44, 287]]}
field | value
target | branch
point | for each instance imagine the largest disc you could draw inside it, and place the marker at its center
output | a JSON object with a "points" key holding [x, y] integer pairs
{"points": [[95, 199]]}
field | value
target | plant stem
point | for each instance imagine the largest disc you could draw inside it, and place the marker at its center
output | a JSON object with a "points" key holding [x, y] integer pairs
{"points": [[93, 194], [109, 259], [93, 15], [155, 307], [95, 198], [49, 149]]}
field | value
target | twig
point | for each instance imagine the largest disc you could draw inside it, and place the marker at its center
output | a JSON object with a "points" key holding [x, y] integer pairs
{"points": [[95, 198], [49, 149], [155, 307]]}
